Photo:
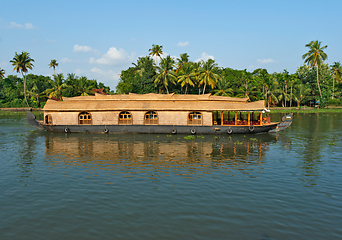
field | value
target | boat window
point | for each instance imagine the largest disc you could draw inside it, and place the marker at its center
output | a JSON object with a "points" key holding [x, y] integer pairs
{"points": [[195, 118], [84, 118], [48, 119], [125, 118], [151, 117]]}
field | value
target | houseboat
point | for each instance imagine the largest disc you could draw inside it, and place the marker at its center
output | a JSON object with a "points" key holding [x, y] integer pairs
{"points": [[157, 113]]}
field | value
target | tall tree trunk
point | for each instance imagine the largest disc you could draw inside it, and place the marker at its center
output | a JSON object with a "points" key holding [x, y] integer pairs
{"points": [[204, 88], [333, 88], [291, 96], [285, 92], [167, 90], [319, 88], [186, 88], [24, 80]]}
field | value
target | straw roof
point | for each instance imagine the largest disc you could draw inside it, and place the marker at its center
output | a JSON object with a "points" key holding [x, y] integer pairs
{"points": [[152, 101]]}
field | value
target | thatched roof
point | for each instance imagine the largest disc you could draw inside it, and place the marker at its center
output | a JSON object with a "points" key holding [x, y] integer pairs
{"points": [[152, 101]]}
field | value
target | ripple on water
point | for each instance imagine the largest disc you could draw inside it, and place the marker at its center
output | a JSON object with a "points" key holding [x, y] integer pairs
{"points": [[264, 186]]}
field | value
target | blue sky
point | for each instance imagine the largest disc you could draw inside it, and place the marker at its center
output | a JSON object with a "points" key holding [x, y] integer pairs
{"points": [[98, 39]]}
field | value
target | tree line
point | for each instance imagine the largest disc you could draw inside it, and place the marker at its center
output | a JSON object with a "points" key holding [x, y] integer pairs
{"points": [[34, 90], [315, 82]]}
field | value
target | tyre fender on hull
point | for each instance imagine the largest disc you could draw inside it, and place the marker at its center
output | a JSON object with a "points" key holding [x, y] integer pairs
{"points": [[66, 130], [251, 128], [230, 131], [173, 131], [193, 131]]}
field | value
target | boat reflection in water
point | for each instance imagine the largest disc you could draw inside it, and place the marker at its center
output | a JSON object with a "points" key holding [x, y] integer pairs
{"points": [[153, 156]]}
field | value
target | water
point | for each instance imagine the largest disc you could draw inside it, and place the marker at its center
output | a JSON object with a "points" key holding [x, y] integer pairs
{"points": [[98, 186]]}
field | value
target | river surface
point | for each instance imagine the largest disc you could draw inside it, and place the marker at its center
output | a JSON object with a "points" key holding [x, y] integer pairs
{"points": [[113, 186]]}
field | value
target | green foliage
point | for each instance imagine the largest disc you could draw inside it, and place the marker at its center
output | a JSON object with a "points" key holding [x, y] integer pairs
{"points": [[312, 83], [335, 102], [39, 88]]}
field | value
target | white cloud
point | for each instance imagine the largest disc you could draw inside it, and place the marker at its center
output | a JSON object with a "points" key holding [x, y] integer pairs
{"points": [[113, 57], [65, 60], [78, 72], [266, 61], [205, 57], [183, 44], [107, 74], [78, 48], [26, 26]]}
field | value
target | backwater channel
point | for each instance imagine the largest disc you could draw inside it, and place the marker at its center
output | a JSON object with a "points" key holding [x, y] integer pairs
{"points": [[286, 185]]}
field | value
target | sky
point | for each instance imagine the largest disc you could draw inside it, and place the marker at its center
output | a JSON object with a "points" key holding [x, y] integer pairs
{"points": [[99, 39]]}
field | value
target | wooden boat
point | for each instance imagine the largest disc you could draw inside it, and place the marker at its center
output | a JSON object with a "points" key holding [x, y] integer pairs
{"points": [[157, 113]]}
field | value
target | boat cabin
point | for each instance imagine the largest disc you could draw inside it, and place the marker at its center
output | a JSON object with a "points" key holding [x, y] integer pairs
{"points": [[155, 109]]}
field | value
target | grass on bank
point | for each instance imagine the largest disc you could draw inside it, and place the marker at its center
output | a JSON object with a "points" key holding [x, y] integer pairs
{"points": [[306, 110]]}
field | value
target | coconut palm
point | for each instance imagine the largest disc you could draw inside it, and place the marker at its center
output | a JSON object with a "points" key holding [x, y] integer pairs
{"points": [[184, 58], [2, 73], [22, 63], [84, 86], [186, 76], [222, 88], [58, 85], [36, 92], [207, 74], [300, 92], [141, 64], [336, 70], [315, 57], [157, 51], [166, 73], [53, 64]]}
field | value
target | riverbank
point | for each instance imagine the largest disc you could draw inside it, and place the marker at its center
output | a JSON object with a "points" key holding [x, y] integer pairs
{"points": [[304, 109], [23, 109]]}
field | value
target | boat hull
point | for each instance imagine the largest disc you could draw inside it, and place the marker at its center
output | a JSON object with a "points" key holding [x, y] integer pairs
{"points": [[165, 129], [161, 129]]}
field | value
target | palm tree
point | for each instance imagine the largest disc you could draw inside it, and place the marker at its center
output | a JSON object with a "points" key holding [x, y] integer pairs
{"points": [[315, 57], [142, 62], [186, 75], [157, 51], [2, 73], [184, 58], [36, 92], [166, 73], [22, 63], [301, 91], [336, 70], [207, 74], [84, 86], [53, 64], [58, 85], [222, 88]]}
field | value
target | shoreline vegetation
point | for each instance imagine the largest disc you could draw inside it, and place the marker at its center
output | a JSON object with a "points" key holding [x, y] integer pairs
{"points": [[314, 84]]}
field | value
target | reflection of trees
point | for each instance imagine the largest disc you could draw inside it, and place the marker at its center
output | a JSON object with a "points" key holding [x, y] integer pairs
{"points": [[27, 154], [130, 154], [314, 131]]}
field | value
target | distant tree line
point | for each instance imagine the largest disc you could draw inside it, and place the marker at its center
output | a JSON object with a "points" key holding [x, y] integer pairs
{"points": [[314, 82], [14, 90]]}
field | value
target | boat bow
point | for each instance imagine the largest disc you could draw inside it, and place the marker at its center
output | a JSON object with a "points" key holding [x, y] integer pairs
{"points": [[31, 118]]}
